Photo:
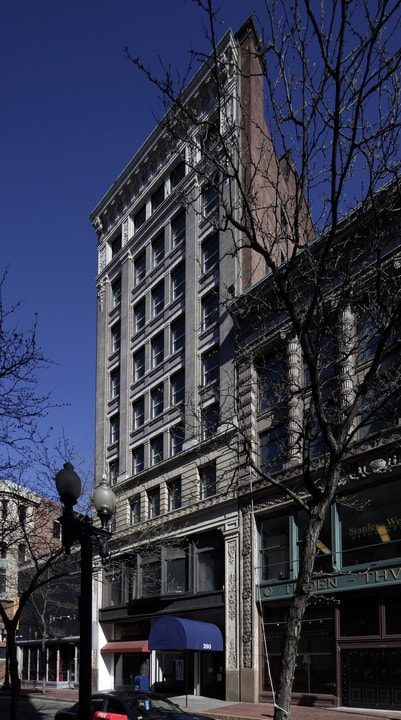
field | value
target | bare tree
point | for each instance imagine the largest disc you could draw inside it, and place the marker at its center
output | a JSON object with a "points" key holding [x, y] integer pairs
{"points": [[28, 519], [27, 535], [287, 178], [22, 406]]}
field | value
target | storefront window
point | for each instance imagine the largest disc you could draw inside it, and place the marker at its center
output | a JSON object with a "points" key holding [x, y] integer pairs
{"points": [[371, 524], [315, 668], [359, 617]]}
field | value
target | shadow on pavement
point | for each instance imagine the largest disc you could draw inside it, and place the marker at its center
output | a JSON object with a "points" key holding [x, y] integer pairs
{"points": [[26, 709]]}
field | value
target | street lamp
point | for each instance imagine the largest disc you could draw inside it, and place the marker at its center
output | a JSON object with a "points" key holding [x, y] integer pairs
{"points": [[79, 528]]}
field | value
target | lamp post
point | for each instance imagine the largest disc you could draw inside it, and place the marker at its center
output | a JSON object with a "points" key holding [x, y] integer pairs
{"points": [[78, 528]]}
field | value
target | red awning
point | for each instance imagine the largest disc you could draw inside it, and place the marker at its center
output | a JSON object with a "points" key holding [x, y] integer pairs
{"points": [[125, 646]]}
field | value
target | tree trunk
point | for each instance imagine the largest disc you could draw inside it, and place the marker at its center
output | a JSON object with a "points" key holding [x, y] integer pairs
{"points": [[297, 609], [14, 676], [43, 651]]}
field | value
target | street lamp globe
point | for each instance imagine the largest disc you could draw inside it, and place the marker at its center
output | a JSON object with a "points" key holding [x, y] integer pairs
{"points": [[68, 485], [104, 502]]}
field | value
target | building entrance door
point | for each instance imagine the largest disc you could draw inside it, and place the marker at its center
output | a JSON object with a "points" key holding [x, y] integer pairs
{"points": [[212, 675], [371, 678]]}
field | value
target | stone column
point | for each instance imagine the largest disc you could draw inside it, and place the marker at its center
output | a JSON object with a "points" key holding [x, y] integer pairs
{"points": [[232, 596]]}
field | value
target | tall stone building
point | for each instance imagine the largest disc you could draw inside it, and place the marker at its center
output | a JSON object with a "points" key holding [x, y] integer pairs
{"points": [[165, 400], [191, 424]]}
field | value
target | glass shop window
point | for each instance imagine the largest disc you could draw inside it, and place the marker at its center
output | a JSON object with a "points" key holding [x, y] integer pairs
{"points": [[274, 548], [370, 524], [359, 616]]}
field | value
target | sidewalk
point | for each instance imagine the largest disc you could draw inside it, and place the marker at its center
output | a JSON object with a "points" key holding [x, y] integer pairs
{"points": [[226, 710]]}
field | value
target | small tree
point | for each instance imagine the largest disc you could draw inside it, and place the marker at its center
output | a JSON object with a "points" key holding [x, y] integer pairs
{"points": [[287, 178]]}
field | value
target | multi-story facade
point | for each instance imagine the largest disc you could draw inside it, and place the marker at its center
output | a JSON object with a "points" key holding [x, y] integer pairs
{"points": [[165, 401], [349, 652], [197, 538]]}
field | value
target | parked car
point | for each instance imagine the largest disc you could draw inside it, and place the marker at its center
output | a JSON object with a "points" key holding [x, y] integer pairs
{"points": [[129, 705]]}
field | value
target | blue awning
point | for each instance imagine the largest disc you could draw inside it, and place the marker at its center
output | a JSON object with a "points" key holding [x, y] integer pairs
{"points": [[173, 633]]}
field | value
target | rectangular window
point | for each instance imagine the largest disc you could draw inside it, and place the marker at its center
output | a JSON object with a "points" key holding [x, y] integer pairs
{"points": [[156, 450], [210, 366], [158, 299], [178, 229], [22, 514], [139, 364], [207, 481], [210, 200], [139, 268], [138, 408], [210, 421], [158, 197], [114, 469], [157, 347], [115, 338], [138, 459], [210, 310], [178, 282], [4, 509], [178, 389], [57, 530], [272, 449], [158, 249], [271, 381], [135, 510], [139, 315], [373, 419], [209, 563], [153, 503], [116, 293], [116, 245], [140, 217], [176, 575], [178, 335], [114, 429], [370, 524], [115, 383], [368, 334], [157, 401], [177, 175], [210, 253], [151, 577], [177, 436], [274, 548], [174, 494], [21, 552]]}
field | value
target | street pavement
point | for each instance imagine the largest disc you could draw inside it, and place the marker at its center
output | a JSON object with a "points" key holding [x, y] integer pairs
{"points": [[34, 706]]}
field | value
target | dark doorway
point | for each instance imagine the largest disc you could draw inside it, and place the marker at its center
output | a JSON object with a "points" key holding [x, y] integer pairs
{"points": [[212, 682]]}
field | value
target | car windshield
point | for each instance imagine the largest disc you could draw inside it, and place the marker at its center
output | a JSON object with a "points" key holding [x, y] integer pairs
{"points": [[151, 706]]}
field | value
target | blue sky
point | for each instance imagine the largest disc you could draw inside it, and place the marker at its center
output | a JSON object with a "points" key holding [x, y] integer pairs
{"points": [[74, 111]]}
